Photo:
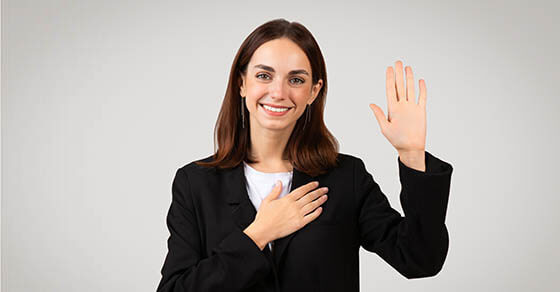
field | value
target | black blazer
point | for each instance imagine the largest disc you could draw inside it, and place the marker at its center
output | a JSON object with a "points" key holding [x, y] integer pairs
{"points": [[210, 208]]}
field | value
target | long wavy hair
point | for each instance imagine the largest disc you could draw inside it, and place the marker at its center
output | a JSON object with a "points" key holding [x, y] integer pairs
{"points": [[313, 150]]}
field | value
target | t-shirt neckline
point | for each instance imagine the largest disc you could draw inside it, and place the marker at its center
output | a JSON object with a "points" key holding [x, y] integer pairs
{"points": [[248, 167]]}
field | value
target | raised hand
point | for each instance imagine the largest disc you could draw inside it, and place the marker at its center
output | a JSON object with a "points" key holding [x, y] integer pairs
{"points": [[405, 124]]}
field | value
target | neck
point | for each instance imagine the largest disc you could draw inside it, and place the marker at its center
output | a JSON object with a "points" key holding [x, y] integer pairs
{"points": [[267, 146]]}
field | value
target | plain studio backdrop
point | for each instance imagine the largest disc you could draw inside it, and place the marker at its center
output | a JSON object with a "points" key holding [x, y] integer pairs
{"points": [[102, 101]]}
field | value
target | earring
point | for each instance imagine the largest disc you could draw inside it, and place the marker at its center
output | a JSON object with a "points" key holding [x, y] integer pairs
{"points": [[307, 115], [242, 112]]}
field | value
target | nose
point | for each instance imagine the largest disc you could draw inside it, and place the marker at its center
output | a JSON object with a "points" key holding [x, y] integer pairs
{"points": [[278, 89]]}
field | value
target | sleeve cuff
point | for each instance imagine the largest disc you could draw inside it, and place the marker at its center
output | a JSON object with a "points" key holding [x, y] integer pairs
{"points": [[426, 194], [240, 245], [434, 166]]}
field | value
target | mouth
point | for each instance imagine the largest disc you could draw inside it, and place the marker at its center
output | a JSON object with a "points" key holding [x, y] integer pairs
{"points": [[274, 111]]}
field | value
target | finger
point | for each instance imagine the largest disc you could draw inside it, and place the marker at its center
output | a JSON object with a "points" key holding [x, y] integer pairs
{"points": [[312, 216], [276, 191], [423, 93], [390, 87], [301, 191], [314, 204], [380, 116], [410, 85], [401, 95], [312, 196]]}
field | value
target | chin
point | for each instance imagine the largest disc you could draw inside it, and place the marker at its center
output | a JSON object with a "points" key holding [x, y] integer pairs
{"points": [[274, 126]]}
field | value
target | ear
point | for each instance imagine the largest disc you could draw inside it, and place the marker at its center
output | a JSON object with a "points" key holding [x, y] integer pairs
{"points": [[242, 86], [315, 90]]}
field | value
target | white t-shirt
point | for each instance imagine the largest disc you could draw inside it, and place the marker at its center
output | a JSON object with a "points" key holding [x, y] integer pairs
{"points": [[260, 184]]}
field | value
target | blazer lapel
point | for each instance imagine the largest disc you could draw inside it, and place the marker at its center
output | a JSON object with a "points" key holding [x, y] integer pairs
{"points": [[243, 211]]}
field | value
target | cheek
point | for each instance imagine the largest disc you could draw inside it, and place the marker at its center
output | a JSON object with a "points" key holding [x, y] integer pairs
{"points": [[256, 88], [254, 94], [301, 100], [251, 104]]}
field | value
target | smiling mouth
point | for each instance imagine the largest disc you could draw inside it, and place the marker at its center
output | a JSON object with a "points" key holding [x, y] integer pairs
{"points": [[275, 107], [275, 111]]}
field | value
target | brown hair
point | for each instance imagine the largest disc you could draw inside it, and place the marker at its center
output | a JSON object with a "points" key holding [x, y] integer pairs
{"points": [[312, 150]]}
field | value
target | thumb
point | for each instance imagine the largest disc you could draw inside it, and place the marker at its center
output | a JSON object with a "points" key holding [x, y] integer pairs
{"points": [[275, 191], [379, 115]]}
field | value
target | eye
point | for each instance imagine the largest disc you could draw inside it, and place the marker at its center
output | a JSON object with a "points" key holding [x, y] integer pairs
{"points": [[261, 74], [300, 80]]}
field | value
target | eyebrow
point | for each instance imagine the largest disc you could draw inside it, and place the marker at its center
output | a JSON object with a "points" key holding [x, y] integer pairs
{"points": [[293, 72]]}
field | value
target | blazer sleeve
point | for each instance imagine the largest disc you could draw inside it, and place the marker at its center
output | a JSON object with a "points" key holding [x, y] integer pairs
{"points": [[415, 245], [236, 263]]}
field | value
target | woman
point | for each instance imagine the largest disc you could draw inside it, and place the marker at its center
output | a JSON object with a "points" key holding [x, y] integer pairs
{"points": [[270, 128]]}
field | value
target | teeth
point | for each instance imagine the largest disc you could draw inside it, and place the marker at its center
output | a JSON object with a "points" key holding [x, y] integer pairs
{"points": [[273, 109]]}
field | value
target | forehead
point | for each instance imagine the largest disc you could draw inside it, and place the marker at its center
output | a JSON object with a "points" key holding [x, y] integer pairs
{"points": [[281, 54]]}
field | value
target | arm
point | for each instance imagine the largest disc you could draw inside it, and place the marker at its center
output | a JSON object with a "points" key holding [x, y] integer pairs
{"points": [[415, 245], [236, 263]]}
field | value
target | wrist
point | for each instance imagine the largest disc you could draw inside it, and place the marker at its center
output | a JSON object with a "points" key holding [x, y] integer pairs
{"points": [[414, 159], [258, 236]]}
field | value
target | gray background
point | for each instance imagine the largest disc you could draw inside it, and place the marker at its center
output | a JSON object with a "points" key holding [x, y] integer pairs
{"points": [[102, 101]]}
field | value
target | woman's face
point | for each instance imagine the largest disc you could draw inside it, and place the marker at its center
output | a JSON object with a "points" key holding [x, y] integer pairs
{"points": [[278, 74]]}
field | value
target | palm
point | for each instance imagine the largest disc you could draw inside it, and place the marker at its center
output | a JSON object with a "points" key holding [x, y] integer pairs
{"points": [[405, 125]]}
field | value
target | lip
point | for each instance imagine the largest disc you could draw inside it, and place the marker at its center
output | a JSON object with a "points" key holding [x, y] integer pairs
{"points": [[278, 106], [271, 113]]}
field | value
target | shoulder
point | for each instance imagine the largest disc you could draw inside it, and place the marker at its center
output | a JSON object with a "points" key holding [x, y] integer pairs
{"points": [[352, 165], [348, 160], [193, 168], [345, 164]]}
